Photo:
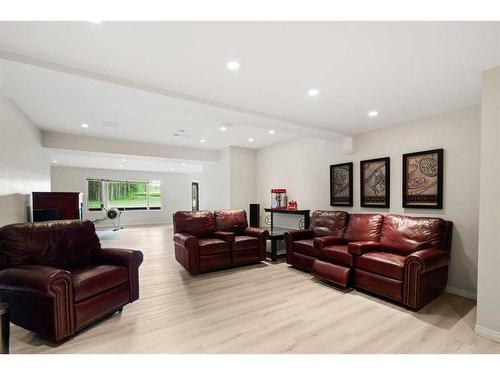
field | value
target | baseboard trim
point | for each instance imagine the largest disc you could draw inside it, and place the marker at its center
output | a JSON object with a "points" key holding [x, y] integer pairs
{"points": [[487, 333], [461, 292]]}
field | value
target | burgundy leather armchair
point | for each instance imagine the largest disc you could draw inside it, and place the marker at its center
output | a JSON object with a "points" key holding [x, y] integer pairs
{"points": [[206, 241], [57, 279]]}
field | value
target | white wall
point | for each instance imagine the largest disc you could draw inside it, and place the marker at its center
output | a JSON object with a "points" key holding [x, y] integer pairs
{"points": [[24, 164], [302, 167], [214, 183], [243, 188], [488, 298], [176, 191]]}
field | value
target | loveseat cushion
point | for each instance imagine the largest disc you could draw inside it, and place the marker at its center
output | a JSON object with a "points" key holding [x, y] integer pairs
{"points": [[92, 280], [197, 223], [245, 243], [363, 227], [231, 220], [210, 246], [407, 234], [305, 247], [63, 244], [336, 254], [328, 223], [382, 263]]}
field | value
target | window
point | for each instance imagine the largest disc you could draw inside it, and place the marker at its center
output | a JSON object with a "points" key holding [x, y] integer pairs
{"points": [[195, 196], [124, 195]]}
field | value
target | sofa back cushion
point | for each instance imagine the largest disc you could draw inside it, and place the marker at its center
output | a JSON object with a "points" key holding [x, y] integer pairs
{"points": [[65, 244], [406, 234], [197, 223], [328, 223], [363, 227], [231, 221]]}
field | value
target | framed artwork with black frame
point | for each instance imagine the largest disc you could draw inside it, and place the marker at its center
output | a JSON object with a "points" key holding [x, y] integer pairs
{"points": [[341, 184], [375, 182], [423, 179]]}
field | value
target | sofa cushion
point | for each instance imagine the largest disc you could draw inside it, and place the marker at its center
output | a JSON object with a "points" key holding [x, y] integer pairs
{"points": [[231, 220], [381, 263], [407, 234], [245, 243], [197, 223], [209, 246], [328, 223], [305, 247], [92, 280], [363, 227], [336, 254], [64, 244]]}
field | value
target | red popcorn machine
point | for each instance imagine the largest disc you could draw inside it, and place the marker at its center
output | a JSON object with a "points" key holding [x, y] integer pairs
{"points": [[279, 199]]}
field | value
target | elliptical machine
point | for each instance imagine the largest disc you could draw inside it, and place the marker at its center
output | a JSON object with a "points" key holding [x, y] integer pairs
{"points": [[112, 214]]}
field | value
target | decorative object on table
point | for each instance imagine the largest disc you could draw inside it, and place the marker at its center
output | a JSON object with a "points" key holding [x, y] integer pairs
{"points": [[4, 329], [292, 205], [423, 179], [375, 182], [341, 184], [278, 199]]}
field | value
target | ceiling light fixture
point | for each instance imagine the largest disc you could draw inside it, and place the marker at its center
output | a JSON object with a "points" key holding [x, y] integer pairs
{"points": [[84, 125], [95, 21], [202, 140], [222, 128], [54, 161], [271, 131], [373, 113], [250, 139], [233, 65], [313, 92], [124, 159], [121, 166]]}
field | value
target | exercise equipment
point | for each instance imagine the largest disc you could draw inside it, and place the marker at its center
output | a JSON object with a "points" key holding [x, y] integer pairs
{"points": [[112, 214]]}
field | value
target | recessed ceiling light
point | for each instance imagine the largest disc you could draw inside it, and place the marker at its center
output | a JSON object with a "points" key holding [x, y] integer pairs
{"points": [[313, 92], [373, 113], [183, 164], [124, 159], [121, 166], [271, 131], [233, 65], [95, 21], [84, 125], [173, 168], [222, 128], [202, 140], [250, 139], [54, 161]]}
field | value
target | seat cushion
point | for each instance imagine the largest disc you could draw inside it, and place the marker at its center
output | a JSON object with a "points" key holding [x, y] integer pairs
{"points": [[92, 280], [336, 254], [209, 246], [245, 243], [305, 247], [381, 263]]}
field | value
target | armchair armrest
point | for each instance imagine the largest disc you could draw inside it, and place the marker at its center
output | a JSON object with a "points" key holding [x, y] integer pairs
{"points": [[429, 259], [131, 259], [225, 236], [321, 242], [360, 248], [262, 235], [33, 279]]}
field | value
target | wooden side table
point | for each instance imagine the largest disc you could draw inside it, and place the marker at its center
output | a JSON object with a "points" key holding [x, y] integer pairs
{"points": [[4, 328]]}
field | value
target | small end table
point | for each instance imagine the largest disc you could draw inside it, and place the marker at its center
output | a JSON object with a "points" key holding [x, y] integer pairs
{"points": [[4, 328]]}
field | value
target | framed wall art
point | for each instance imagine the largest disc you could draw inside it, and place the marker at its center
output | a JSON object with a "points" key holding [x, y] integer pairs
{"points": [[423, 179], [375, 182], [341, 184]]}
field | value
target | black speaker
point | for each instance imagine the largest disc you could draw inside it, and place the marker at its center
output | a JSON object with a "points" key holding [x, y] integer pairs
{"points": [[254, 215]]}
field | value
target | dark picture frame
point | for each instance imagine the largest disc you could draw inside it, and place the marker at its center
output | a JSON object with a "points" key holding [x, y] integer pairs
{"points": [[423, 179], [341, 184], [375, 187]]}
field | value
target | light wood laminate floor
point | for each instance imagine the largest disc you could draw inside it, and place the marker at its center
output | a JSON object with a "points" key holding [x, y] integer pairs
{"points": [[265, 308]]}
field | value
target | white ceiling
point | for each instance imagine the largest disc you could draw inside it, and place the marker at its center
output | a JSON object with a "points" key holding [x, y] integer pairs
{"points": [[405, 70], [97, 160]]}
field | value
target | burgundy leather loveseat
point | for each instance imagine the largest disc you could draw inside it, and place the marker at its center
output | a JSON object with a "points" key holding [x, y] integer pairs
{"points": [[57, 279], [211, 240], [403, 258]]}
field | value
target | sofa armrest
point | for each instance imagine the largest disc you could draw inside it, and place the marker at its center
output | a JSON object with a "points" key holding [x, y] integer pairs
{"points": [[428, 259], [186, 240], [224, 236], [262, 235], [33, 279], [360, 248], [131, 259], [321, 242], [187, 252]]}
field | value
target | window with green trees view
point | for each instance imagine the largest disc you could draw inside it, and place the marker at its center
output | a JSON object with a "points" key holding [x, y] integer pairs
{"points": [[124, 195]]}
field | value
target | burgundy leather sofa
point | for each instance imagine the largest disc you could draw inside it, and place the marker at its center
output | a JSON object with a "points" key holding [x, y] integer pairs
{"points": [[211, 240], [402, 258], [57, 279]]}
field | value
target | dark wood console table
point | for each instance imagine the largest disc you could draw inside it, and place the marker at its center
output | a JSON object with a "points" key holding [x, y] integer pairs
{"points": [[276, 233]]}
